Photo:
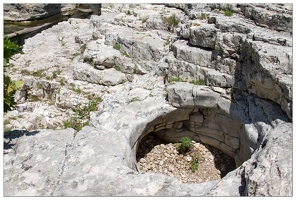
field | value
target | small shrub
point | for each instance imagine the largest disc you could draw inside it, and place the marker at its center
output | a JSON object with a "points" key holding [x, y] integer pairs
{"points": [[172, 20], [9, 49], [128, 12], [166, 96], [54, 75], [184, 145], [75, 123], [202, 16], [82, 115], [228, 13], [194, 163], [116, 46], [117, 68]]}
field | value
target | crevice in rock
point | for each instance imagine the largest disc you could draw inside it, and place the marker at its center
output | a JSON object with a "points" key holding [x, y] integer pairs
{"points": [[62, 169], [242, 187]]}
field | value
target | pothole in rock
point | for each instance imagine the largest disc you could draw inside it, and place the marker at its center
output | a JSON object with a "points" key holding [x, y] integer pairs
{"points": [[155, 155]]}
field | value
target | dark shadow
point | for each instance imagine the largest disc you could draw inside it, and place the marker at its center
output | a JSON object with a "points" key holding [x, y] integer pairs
{"points": [[10, 136], [223, 162], [147, 144], [242, 187]]}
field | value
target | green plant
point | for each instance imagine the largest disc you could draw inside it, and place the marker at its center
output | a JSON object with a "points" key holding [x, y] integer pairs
{"points": [[128, 12], [184, 145], [75, 123], [116, 46], [10, 49], [82, 48], [136, 70], [228, 11], [178, 79], [117, 68], [124, 54], [77, 90], [198, 82], [39, 73], [202, 16], [194, 163], [145, 19], [82, 115], [25, 72], [216, 10], [134, 99], [10, 87], [168, 40], [33, 98], [7, 128], [61, 81], [54, 75], [166, 96], [172, 20]]}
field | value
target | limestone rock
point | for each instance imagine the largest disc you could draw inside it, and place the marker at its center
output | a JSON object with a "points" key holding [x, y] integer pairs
{"points": [[20, 12], [243, 107], [274, 16]]}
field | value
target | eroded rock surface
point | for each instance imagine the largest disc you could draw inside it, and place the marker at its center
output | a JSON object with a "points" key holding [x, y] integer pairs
{"points": [[31, 11], [233, 92]]}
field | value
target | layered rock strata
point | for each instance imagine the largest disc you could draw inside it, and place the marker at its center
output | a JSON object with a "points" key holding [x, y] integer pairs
{"points": [[130, 56]]}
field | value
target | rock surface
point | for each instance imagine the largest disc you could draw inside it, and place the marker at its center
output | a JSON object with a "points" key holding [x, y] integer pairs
{"points": [[29, 11], [131, 57]]}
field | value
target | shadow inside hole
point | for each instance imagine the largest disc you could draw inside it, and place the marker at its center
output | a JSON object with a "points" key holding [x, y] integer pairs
{"points": [[222, 162], [147, 144]]}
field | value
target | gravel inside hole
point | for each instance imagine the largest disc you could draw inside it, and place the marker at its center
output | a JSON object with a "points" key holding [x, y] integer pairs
{"points": [[158, 156]]}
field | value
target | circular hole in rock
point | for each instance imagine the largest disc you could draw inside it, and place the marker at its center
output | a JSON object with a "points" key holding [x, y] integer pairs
{"points": [[159, 156]]}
